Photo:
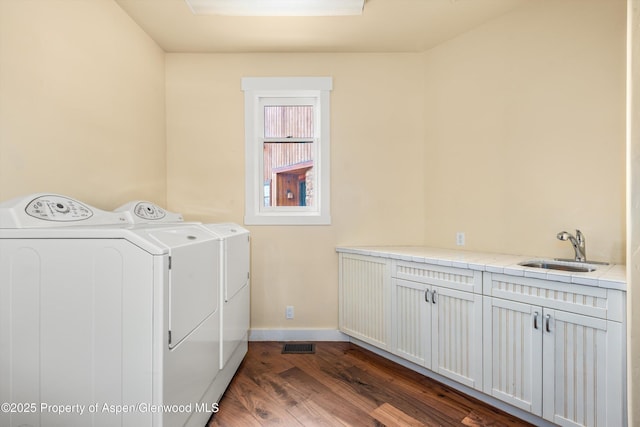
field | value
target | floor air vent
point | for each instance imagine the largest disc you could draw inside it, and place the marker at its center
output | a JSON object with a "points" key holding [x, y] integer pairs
{"points": [[298, 348]]}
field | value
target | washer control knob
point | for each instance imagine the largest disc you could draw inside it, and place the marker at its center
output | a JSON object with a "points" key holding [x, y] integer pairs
{"points": [[148, 210], [61, 207]]}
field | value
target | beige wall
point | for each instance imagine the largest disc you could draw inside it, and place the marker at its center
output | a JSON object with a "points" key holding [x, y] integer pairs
{"points": [[376, 155], [510, 133], [81, 103], [633, 214], [525, 130]]}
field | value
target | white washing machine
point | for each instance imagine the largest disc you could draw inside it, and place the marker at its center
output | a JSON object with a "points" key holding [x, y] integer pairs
{"points": [[234, 278], [105, 323], [234, 275], [235, 292]]}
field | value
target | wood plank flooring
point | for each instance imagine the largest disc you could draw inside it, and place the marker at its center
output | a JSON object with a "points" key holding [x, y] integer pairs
{"points": [[343, 385]]}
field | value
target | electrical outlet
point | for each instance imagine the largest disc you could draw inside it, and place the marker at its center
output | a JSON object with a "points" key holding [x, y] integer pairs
{"points": [[289, 312], [460, 238]]}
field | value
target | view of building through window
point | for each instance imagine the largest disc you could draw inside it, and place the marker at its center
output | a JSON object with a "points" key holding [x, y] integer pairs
{"points": [[288, 155], [287, 150]]}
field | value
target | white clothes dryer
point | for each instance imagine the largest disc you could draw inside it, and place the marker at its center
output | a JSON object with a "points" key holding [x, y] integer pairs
{"points": [[104, 322], [235, 290], [234, 274]]}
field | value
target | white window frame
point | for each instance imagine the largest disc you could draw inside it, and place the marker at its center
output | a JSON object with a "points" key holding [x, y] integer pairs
{"points": [[256, 89]]}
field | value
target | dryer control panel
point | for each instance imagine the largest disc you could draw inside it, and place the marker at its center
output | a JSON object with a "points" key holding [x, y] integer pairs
{"points": [[146, 210], [58, 208], [143, 212], [44, 210]]}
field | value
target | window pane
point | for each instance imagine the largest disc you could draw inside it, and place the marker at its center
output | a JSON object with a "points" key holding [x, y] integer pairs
{"points": [[288, 168], [288, 112], [288, 121], [267, 193]]}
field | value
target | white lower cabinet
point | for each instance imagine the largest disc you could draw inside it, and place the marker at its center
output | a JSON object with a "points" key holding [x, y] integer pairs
{"points": [[438, 328], [436, 324], [575, 366], [365, 306], [411, 314], [554, 349], [563, 366], [513, 353]]}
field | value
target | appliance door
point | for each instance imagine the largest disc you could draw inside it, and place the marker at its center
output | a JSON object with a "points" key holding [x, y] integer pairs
{"points": [[193, 278], [235, 311], [193, 288], [192, 315], [236, 264]]}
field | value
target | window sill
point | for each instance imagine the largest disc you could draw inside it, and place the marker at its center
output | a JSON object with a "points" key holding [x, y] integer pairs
{"points": [[282, 218]]}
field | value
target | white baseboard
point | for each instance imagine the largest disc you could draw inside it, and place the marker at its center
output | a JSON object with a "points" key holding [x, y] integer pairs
{"points": [[297, 335]]}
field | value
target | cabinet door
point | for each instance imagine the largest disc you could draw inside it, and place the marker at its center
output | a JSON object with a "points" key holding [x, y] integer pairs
{"points": [[456, 341], [512, 349], [575, 369], [365, 306], [411, 321]]}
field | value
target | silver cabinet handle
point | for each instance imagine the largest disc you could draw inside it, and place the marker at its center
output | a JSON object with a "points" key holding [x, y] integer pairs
{"points": [[535, 320], [426, 295], [547, 322], [433, 297]]}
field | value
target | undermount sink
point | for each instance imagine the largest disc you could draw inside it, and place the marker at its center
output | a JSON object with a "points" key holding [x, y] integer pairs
{"points": [[552, 264]]}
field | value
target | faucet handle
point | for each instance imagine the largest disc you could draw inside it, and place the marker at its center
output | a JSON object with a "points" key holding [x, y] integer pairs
{"points": [[580, 237]]}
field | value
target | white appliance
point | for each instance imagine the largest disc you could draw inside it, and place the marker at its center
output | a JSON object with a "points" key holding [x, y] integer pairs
{"points": [[107, 321], [234, 275], [235, 289]]}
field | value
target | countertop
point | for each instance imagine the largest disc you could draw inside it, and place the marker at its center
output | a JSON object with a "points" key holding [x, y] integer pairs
{"points": [[612, 276]]}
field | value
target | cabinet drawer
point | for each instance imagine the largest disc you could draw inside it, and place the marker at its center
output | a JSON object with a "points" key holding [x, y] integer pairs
{"points": [[448, 277], [580, 299]]}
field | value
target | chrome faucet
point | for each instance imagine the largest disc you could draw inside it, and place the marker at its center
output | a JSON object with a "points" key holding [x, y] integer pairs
{"points": [[578, 243]]}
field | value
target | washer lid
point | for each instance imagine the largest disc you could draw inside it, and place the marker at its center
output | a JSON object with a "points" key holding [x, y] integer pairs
{"points": [[172, 237], [226, 230], [43, 210]]}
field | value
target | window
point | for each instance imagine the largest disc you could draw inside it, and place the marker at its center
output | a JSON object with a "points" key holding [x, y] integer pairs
{"points": [[287, 150]]}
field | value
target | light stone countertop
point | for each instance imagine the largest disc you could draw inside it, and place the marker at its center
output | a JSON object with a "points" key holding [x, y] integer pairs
{"points": [[612, 276]]}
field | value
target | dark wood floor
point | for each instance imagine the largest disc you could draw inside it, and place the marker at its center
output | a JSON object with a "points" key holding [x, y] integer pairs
{"points": [[343, 385]]}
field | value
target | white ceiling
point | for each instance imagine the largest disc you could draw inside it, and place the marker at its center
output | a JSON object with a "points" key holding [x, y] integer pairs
{"points": [[385, 26]]}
